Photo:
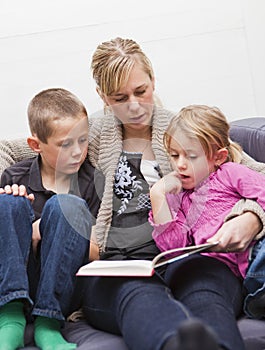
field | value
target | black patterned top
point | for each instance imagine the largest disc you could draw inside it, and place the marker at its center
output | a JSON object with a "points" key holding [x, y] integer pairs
{"points": [[130, 235]]}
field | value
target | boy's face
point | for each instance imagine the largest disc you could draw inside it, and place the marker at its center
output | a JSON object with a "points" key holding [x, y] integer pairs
{"points": [[66, 149], [188, 158]]}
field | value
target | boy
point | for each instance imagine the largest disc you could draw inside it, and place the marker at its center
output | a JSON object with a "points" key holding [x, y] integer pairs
{"points": [[46, 209]]}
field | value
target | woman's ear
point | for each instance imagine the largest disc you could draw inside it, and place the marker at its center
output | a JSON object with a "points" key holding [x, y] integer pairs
{"points": [[153, 84], [220, 156], [34, 143], [101, 95]]}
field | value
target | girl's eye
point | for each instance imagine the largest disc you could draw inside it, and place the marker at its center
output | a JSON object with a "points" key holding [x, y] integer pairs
{"points": [[174, 155], [192, 156]]}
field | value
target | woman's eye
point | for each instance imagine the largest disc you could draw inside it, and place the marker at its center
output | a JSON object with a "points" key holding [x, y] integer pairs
{"points": [[140, 92], [121, 99]]}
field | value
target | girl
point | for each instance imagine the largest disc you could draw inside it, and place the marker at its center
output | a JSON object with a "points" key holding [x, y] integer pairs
{"points": [[191, 203]]}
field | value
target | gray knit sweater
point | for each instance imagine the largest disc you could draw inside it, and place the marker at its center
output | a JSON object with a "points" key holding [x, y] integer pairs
{"points": [[105, 147]]}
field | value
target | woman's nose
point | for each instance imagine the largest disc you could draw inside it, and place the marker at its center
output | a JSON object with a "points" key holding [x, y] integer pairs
{"points": [[133, 103]]}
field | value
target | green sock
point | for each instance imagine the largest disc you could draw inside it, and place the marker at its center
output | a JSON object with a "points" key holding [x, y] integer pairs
{"points": [[48, 336], [12, 326]]}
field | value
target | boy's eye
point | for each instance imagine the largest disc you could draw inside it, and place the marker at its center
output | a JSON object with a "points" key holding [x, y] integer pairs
{"points": [[83, 139], [66, 144]]}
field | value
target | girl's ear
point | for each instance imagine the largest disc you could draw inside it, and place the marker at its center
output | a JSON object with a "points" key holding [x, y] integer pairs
{"points": [[34, 143], [220, 156]]}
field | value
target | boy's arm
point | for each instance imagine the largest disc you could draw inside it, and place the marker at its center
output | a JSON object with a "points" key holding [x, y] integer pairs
{"points": [[93, 248], [36, 237]]}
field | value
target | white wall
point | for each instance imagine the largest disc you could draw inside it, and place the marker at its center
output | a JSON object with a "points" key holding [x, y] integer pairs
{"points": [[203, 51]]}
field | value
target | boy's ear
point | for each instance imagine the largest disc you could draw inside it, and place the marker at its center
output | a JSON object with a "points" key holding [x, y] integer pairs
{"points": [[34, 143], [220, 156]]}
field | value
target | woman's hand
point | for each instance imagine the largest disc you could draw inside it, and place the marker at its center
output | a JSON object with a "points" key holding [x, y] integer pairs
{"points": [[17, 190], [236, 234]]}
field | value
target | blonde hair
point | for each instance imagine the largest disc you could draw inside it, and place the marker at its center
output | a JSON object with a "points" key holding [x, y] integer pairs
{"points": [[113, 61], [209, 126], [51, 105]]}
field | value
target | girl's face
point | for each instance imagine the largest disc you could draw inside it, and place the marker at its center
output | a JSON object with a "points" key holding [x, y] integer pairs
{"points": [[66, 148], [188, 158], [133, 103]]}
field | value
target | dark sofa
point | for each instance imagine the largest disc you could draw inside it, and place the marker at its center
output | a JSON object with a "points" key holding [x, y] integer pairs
{"points": [[250, 133]]}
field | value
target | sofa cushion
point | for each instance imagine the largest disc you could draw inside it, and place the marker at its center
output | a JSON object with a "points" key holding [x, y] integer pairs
{"points": [[250, 134]]}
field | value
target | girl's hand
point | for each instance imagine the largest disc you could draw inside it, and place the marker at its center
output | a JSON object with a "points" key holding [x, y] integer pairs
{"points": [[236, 234], [170, 183], [17, 190]]}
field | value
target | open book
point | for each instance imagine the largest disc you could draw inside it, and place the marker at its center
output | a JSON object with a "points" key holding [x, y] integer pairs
{"points": [[139, 267]]}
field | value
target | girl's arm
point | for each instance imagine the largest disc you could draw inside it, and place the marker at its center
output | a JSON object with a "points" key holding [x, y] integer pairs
{"points": [[170, 183], [167, 217]]}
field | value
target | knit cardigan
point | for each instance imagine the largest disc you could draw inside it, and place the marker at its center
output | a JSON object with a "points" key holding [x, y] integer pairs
{"points": [[104, 152], [105, 147]]}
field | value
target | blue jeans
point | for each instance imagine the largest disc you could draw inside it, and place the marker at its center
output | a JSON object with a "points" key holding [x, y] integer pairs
{"points": [[147, 314], [211, 291], [65, 231], [254, 304]]}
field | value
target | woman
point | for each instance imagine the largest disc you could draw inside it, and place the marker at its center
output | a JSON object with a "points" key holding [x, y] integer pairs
{"points": [[127, 146]]}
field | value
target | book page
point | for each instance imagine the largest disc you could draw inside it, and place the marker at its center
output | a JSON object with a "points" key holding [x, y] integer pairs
{"points": [[175, 254], [117, 268]]}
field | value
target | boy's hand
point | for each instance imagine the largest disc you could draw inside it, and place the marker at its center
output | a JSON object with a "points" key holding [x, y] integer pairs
{"points": [[17, 190]]}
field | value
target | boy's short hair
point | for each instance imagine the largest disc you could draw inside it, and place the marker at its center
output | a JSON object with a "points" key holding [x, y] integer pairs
{"points": [[51, 105]]}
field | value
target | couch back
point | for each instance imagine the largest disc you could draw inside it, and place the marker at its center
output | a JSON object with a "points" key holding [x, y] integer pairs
{"points": [[250, 134]]}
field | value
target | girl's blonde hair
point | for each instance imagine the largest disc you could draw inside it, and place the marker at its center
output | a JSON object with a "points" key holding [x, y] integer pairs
{"points": [[113, 61], [209, 126]]}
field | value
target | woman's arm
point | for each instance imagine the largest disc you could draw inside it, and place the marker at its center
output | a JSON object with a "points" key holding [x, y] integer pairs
{"points": [[246, 220], [237, 233], [13, 151]]}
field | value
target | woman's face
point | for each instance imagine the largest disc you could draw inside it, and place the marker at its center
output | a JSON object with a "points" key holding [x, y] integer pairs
{"points": [[133, 103]]}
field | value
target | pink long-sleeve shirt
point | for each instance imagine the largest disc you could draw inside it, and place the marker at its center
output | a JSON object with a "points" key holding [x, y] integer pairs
{"points": [[198, 214]]}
